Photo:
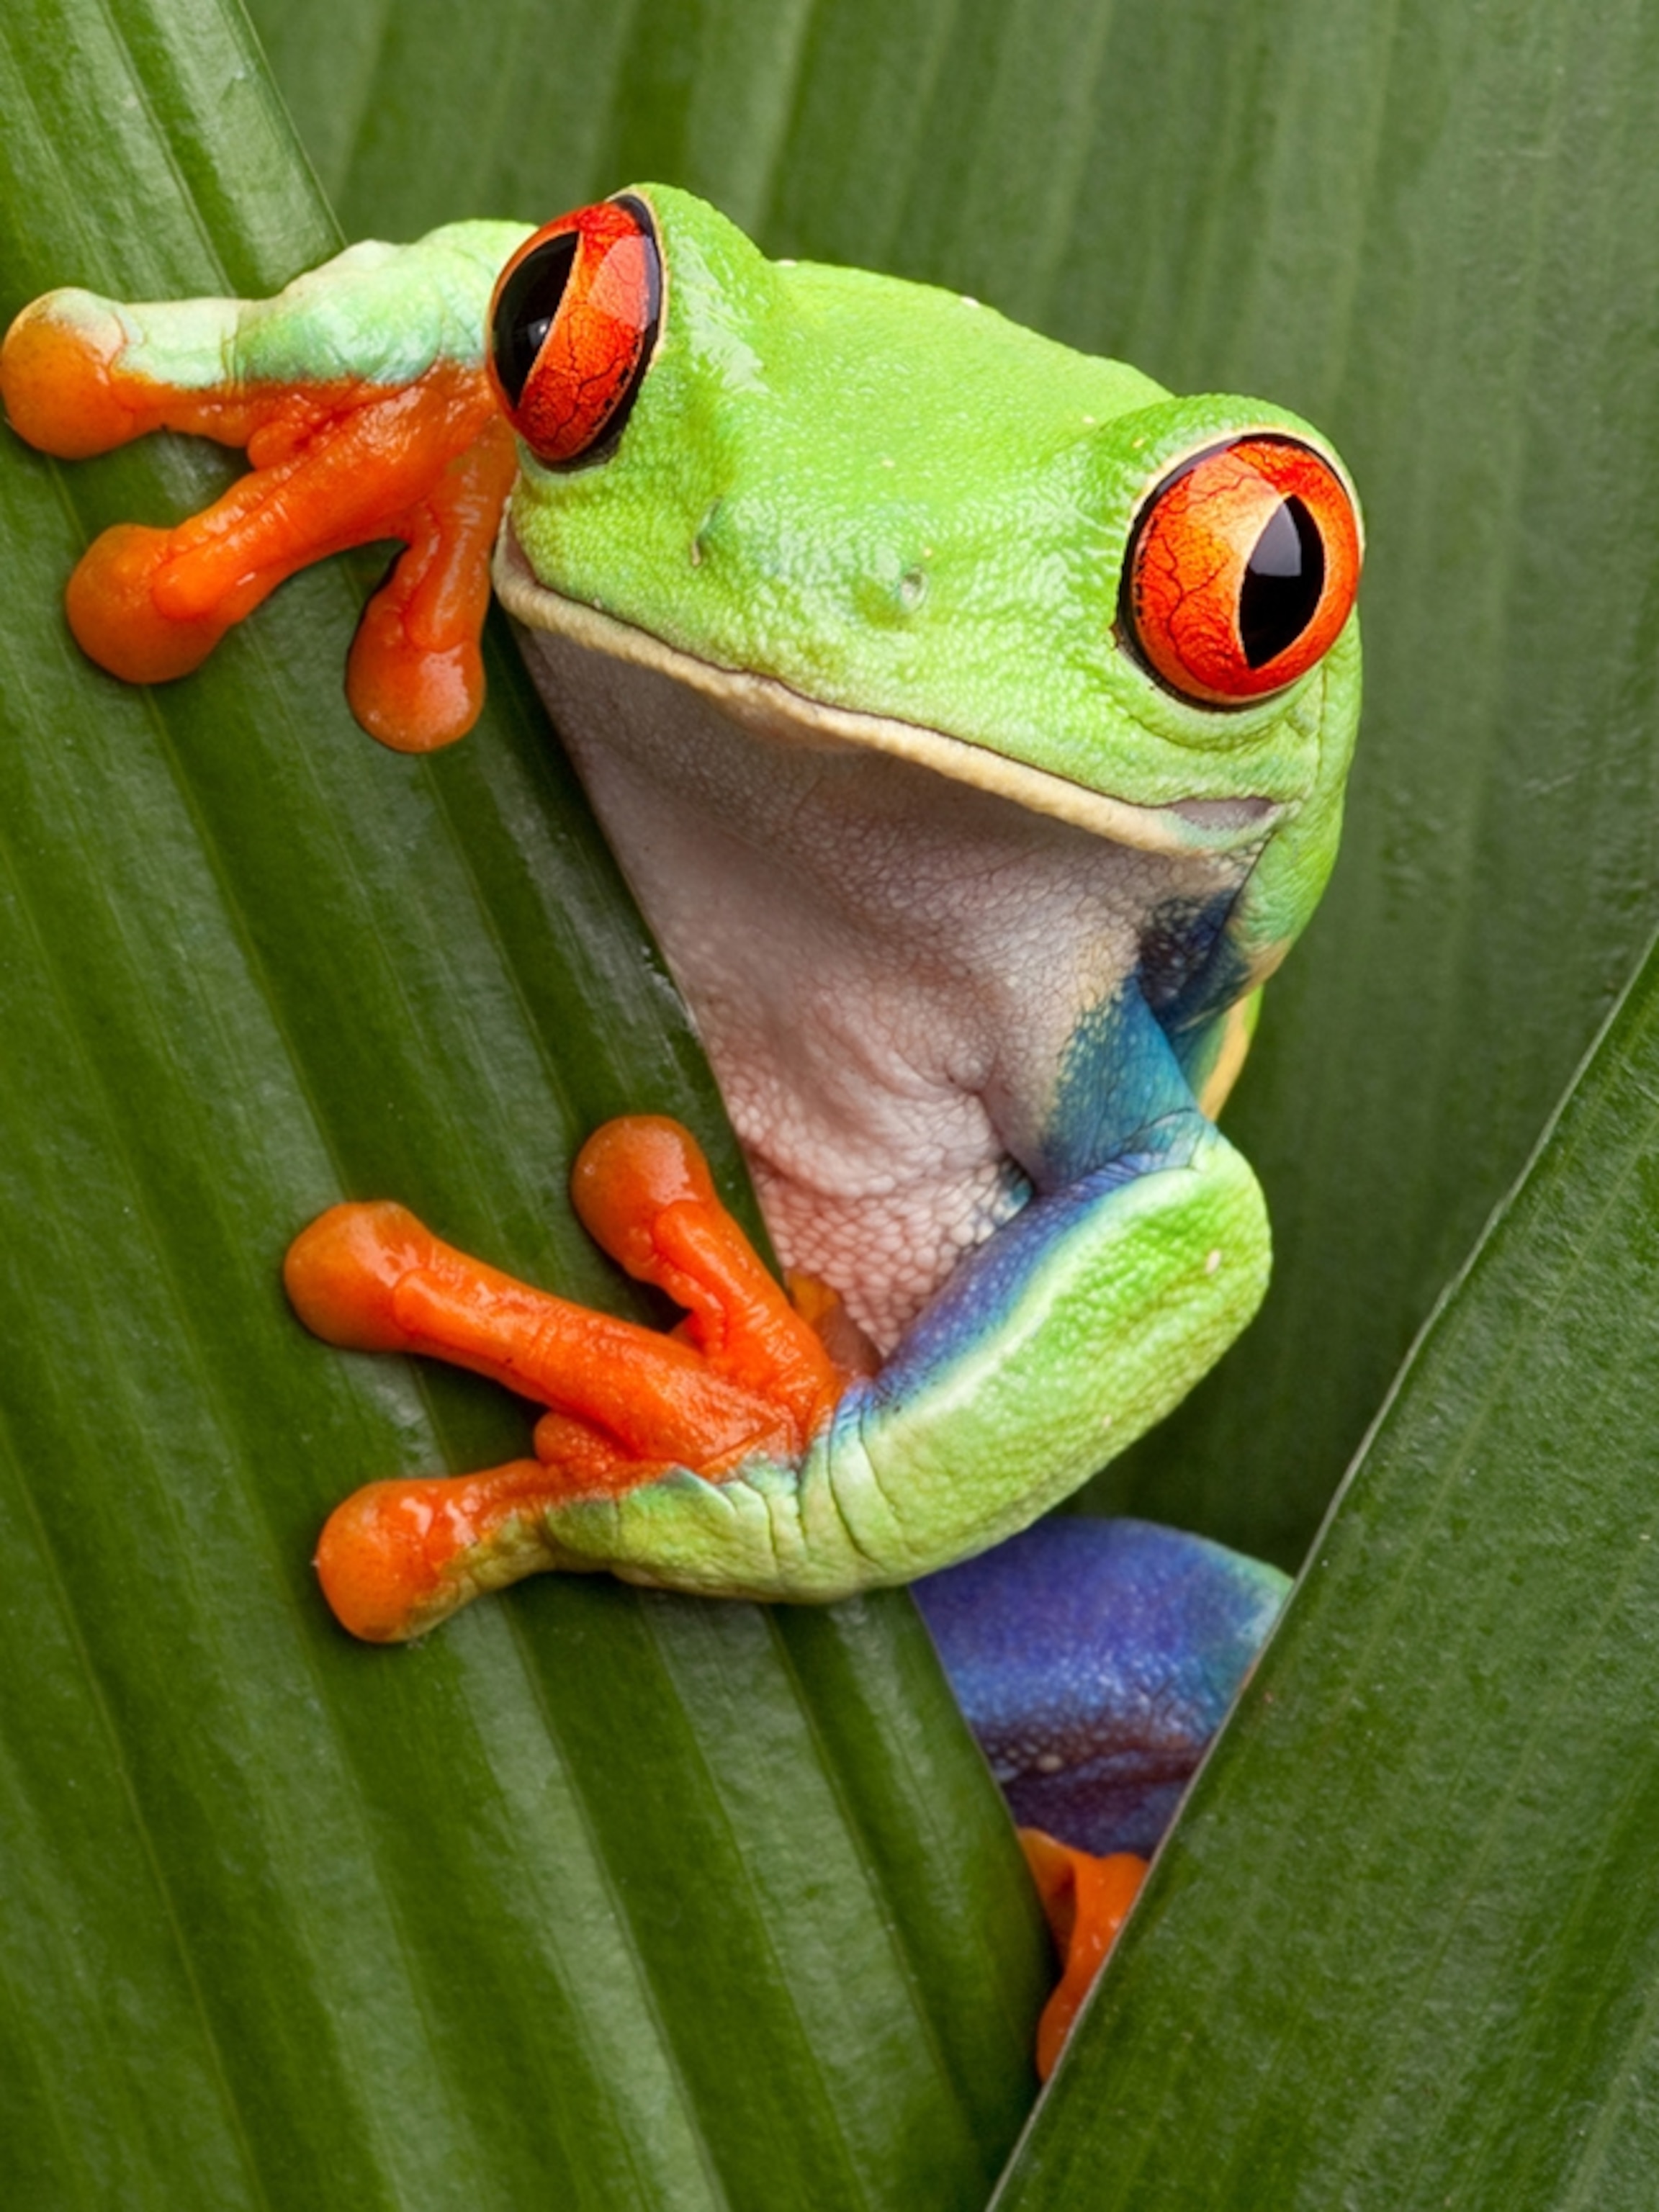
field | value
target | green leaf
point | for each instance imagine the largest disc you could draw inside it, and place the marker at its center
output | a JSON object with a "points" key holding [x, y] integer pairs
{"points": [[221, 1955], [597, 1897], [1403, 1946]]}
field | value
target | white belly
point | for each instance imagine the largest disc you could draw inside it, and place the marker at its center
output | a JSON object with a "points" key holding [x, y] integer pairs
{"points": [[885, 965]]}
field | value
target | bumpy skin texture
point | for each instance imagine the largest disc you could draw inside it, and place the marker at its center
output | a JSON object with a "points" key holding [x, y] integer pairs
{"points": [[852, 568]]}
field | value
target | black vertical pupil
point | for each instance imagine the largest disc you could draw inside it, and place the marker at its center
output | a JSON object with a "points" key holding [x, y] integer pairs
{"points": [[525, 313], [1283, 580]]}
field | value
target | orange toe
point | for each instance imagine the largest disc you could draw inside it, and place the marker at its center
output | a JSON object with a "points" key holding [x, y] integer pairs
{"points": [[1086, 1899], [392, 1559], [643, 1192], [111, 602], [59, 382], [629, 1171], [416, 677], [409, 697], [343, 1273]]}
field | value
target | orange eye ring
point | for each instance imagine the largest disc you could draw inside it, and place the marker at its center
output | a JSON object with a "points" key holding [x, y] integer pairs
{"points": [[573, 325], [1241, 570]]}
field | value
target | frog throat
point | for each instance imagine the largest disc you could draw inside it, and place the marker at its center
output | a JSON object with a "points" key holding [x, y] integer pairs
{"points": [[768, 704]]}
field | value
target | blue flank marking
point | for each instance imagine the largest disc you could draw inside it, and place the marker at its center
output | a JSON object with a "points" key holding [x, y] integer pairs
{"points": [[1122, 1109], [1191, 972], [1120, 1091], [1094, 1659]]}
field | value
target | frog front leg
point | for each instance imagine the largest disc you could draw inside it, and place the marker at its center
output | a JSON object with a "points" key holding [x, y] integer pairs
{"points": [[744, 1376], [362, 397], [733, 1459]]}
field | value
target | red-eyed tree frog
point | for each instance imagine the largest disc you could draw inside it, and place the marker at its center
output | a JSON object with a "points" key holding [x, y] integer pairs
{"points": [[971, 719]]}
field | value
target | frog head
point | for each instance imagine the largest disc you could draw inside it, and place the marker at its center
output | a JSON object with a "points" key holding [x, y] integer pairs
{"points": [[920, 528]]}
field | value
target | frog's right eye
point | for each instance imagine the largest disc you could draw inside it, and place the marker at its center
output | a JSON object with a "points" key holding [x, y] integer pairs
{"points": [[571, 327], [1241, 570]]}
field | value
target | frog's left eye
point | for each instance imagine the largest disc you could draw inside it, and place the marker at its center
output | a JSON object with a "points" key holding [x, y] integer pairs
{"points": [[1241, 570], [572, 328]]}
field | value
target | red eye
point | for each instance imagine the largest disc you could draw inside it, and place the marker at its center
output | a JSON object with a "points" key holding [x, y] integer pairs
{"points": [[1242, 568], [572, 328]]}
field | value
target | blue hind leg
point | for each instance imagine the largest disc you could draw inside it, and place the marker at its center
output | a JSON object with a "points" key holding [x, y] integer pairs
{"points": [[1094, 1661]]}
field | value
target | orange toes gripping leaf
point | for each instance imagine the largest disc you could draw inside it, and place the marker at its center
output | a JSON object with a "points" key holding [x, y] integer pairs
{"points": [[415, 677], [334, 465], [642, 1191], [1086, 1899], [116, 603], [744, 1377]]}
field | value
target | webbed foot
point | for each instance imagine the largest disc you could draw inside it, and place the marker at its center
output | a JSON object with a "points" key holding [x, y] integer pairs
{"points": [[362, 398], [744, 1377]]}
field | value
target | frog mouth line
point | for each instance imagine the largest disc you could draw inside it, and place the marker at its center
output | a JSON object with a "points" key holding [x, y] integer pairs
{"points": [[771, 707]]}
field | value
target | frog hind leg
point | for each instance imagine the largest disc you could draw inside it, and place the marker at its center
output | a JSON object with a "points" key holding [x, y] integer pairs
{"points": [[744, 1374], [371, 449], [1094, 1661]]}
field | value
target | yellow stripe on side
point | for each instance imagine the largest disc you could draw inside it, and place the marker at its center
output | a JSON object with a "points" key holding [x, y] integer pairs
{"points": [[1237, 1028]]}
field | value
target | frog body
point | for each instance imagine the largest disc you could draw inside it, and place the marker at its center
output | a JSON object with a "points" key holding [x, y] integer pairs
{"points": [[894, 1112], [971, 719]]}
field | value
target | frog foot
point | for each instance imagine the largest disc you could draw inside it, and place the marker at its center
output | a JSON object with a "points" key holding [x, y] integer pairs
{"points": [[1086, 1900], [336, 463], [744, 1376]]}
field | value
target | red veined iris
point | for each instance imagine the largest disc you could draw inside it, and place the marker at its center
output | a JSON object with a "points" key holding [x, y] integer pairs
{"points": [[572, 325], [1241, 570]]}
